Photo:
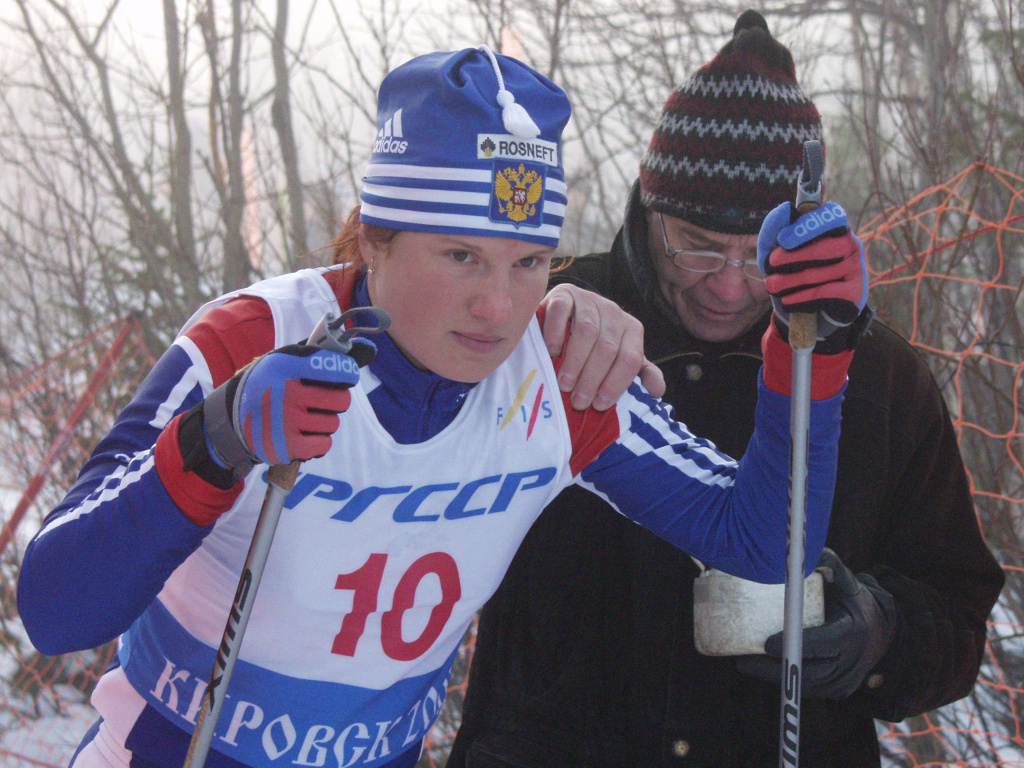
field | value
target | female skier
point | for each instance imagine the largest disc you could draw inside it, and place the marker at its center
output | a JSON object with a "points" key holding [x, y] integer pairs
{"points": [[409, 507]]}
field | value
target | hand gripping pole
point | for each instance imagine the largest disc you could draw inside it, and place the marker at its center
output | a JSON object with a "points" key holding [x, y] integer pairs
{"points": [[803, 334], [329, 333]]}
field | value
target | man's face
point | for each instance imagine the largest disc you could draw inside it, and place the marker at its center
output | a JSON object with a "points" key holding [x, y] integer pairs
{"points": [[717, 306]]}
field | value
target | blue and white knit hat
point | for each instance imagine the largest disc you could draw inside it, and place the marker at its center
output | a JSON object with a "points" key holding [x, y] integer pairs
{"points": [[468, 142]]}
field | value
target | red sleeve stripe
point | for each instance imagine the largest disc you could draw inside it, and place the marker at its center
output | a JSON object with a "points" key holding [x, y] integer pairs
{"points": [[232, 335], [592, 431], [828, 372]]}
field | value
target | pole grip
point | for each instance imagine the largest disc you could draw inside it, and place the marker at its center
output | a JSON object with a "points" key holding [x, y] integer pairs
{"points": [[284, 475], [803, 326], [803, 330]]}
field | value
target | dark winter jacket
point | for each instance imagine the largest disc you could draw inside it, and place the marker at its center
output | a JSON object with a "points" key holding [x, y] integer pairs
{"points": [[585, 656]]}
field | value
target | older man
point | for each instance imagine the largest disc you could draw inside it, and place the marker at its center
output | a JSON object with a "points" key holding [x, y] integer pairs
{"points": [[586, 655]]}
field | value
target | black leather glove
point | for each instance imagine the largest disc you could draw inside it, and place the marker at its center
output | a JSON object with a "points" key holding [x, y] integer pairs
{"points": [[860, 618]]}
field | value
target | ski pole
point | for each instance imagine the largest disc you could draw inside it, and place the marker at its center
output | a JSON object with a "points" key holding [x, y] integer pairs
{"points": [[803, 333], [328, 334]]}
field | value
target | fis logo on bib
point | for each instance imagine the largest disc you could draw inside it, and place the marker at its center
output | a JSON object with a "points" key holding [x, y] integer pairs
{"points": [[390, 138], [540, 408]]}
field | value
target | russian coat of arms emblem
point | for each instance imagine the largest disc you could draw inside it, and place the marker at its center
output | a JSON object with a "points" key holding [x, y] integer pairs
{"points": [[517, 191]]}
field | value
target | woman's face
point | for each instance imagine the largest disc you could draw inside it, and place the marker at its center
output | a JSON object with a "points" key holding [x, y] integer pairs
{"points": [[459, 304]]}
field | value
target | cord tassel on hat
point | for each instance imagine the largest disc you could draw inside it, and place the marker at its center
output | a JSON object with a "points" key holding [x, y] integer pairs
{"points": [[515, 117]]}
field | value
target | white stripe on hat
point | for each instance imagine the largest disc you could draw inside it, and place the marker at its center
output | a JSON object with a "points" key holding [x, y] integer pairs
{"points": [[446, 197], [552, 208], [427, 172], [451, 197], [429, 195], [456, 221], [660, 162], [785, 133], [384, 170], [738, 85], [557, 186]]}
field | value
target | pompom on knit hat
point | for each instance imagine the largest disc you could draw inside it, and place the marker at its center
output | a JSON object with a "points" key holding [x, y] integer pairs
{"points": [[468, 142], [728, 147]]}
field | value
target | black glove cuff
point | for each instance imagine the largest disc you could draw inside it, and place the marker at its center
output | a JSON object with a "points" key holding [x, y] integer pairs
{"points": [[842, 339], [195, 456], [849, 337], [219, 418]]}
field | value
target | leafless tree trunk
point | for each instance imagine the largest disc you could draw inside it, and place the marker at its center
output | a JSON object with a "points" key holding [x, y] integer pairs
{"points": [[227, 114], [180, 159], [281, 113]]}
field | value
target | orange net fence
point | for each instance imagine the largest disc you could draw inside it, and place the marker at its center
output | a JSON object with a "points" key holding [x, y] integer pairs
{"points": [[947, 270], [51, 416]]}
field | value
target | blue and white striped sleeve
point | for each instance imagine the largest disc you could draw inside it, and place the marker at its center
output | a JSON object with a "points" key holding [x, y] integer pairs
{"points": [[105, 551], [730, 515]]}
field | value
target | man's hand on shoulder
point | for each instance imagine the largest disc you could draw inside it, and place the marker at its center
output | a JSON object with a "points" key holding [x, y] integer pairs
{"points": [[604, 351]]}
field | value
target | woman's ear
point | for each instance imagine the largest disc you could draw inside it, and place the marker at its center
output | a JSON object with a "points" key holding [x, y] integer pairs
{"points": [[370, 250]]}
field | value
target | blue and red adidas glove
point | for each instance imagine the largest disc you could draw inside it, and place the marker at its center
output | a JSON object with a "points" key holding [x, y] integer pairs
{"points": [[813, 264], [282, 407]]}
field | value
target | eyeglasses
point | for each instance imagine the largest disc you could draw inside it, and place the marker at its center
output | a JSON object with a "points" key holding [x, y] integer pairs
{"points": [[707, 262]]}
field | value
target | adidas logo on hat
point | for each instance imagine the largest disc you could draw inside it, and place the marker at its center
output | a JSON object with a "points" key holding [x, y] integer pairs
{"points": [[389, 137]]}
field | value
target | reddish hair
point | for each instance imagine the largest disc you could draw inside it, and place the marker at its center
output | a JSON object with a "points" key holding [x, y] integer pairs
{"points": [[345, 247]]}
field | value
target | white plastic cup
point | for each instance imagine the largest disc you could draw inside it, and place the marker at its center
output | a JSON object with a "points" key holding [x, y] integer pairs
{"points": [[734, 616]]}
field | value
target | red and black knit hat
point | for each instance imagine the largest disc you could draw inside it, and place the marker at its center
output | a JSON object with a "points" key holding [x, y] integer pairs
{"points": [[729, 145]]}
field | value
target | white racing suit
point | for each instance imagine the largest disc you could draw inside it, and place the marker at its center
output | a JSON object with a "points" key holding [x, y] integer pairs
{"points": [[385, 549]]}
